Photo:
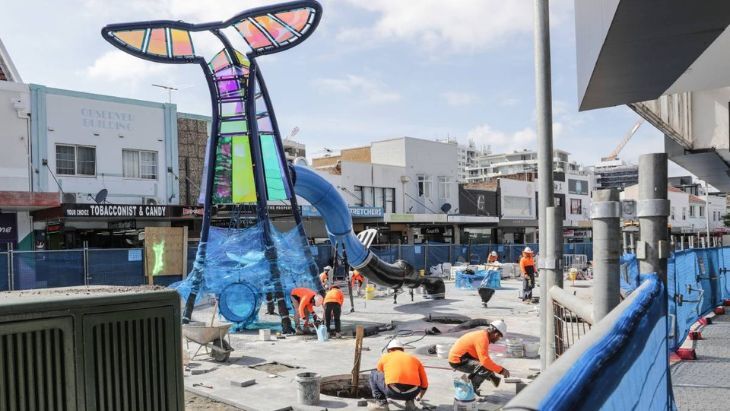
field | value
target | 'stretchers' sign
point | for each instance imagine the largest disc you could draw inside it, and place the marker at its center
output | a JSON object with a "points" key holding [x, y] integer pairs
{"points": [[114, 210]]}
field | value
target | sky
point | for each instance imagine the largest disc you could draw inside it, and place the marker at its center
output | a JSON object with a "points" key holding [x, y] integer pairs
{"points": [[374, 69]]}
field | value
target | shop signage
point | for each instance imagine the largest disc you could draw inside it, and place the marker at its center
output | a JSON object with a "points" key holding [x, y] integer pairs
{"points": [[355, 212], [104, 119], [8, 228], [54, 227], [114, 210]]}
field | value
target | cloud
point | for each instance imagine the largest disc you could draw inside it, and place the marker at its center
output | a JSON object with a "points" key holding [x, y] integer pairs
{"points": [[500, 141], [457, 98], [372, 90], [456, 26], [118, 66]]}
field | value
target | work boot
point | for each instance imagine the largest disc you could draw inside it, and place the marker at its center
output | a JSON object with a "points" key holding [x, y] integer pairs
{"points": [[411, 406], [379, 405], [495, 380]]}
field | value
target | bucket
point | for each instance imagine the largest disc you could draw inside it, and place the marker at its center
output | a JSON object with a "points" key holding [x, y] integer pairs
{"points": [[308, 388], [322, 334], [442, 350], [370, 292], [515, 347], [265, 334], [532, 349], [460, 405]]}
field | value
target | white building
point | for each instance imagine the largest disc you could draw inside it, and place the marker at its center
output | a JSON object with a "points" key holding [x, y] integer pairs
{"points": [[688, 212], [615, 174], [494, 165], [414, 182], [89, 142]]}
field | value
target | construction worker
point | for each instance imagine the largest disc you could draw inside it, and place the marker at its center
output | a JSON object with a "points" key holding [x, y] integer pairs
{"points": [[304, 300], [492, 258], [324, 277], [527, 268], [398, 376], [333, 301], [470, 354], [356, 280]]}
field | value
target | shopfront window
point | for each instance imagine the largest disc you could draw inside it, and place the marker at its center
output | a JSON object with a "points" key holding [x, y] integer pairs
{"points": [[139, 164], [75, 160], [383, 197]]}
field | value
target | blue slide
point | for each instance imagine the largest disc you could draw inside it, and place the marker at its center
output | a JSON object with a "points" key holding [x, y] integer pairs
{"points": [[336, 215]]}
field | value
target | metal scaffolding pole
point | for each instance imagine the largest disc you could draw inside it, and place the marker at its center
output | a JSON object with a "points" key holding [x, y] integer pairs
{"points": [[606, 215], [653, 209], [543, 106], [553, 272]]}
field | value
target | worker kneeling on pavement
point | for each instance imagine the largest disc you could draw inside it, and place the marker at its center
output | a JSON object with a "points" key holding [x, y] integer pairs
{"points": [[399, 376], [333, 301], [304, 300], [470, 354]]}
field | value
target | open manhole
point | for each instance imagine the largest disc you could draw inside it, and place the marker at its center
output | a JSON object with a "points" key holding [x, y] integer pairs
{"points": [[341, 386], [273, 367]]}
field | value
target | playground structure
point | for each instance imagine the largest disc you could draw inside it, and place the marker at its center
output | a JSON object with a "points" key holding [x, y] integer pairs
{"points": [[245, 164]]}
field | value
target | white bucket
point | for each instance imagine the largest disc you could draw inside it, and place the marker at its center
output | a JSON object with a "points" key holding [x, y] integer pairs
{"points": [[442, 350], [265, 334], [515, 347], [532, 349]]}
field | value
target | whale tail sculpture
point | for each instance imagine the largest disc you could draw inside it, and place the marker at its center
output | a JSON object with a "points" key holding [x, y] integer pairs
{"points": [[244, 161]]}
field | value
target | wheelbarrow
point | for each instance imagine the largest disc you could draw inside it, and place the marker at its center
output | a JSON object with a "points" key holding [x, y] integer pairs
{"points": [[212, 338]]}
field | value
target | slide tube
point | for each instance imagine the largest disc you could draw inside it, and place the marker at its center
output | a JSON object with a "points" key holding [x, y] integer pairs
{"points": [[336, 215]]}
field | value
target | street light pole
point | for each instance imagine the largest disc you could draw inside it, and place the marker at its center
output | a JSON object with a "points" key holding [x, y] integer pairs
{"points": [[543, 100]]}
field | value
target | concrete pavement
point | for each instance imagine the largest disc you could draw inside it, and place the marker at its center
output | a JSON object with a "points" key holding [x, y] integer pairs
{"points": [[278, 390]]}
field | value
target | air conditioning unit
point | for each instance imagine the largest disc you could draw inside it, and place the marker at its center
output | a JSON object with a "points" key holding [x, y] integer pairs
{"points": [[150, 201], [68, 198]]}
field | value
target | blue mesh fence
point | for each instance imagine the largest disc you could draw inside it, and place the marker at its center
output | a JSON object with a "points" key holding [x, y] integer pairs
{"points": [[322, 254], [387, 253], [116, 267], [46, 269], [437, 254], [628, 361]]}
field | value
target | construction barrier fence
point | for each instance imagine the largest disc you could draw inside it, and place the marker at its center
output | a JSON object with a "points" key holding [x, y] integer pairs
{"points": [[620, 364]]}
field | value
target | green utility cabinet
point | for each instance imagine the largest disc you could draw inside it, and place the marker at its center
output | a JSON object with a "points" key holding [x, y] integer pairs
{"points": [[90, 349]]}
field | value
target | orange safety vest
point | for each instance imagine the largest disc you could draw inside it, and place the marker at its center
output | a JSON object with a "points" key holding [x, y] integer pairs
{"points": [[476, 344], [356, 277], [306, 300], [334, 295], [401, 368]]}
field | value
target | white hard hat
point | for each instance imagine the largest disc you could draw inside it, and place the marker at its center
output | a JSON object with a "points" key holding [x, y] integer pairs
{"points": [[500, 326], [395, 343], [527, 250], [327, 268], [493, 253]]}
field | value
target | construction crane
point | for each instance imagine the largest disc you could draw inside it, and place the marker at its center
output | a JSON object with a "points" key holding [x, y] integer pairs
{"points": [[627, 137]]}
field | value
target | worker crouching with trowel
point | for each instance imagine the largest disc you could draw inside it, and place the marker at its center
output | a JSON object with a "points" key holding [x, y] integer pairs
{"points": [[399, 376], [304, 300], [470, 354]]}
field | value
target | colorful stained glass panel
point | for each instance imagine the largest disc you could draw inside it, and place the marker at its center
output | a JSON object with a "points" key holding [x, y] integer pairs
{"points": [[254, 37], [275, 187], [231, 109], [296, 19], [220, 61], [182, 44], [223, 172], [158, 42], [278, 32], [133, 38], [231, 127], [264, 124], [244, 188]]}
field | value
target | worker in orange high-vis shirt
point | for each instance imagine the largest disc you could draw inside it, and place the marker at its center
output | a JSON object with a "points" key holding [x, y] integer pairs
{"points": [[527, 268], [356, 280], [470, 354], [324, 277], [398, 376], [333, 301], [304, 300]]}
